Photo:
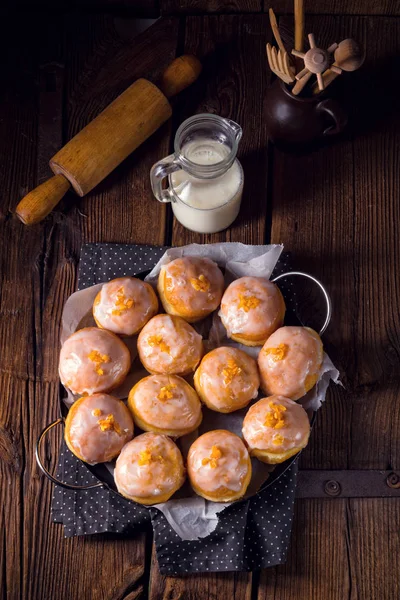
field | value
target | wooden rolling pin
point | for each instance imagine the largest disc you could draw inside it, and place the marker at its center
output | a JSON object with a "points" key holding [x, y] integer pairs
{"points": [[107, 140]]}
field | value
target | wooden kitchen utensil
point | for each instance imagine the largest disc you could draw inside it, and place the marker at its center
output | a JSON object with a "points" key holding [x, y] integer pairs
{"points": [[316, 60], [298, 28], [107, 140], [275, 30], [349, 56], [279, 64]]}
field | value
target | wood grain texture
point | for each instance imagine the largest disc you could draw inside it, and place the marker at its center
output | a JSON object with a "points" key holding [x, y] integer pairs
{"points": [[209, 6], [232, 85], [337, 7], [319, 564]]}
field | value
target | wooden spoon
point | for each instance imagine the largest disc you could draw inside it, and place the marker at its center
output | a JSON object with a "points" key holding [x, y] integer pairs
{"points": [[349, 56]]}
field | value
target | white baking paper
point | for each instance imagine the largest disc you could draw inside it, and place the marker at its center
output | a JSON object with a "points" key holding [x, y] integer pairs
{"points": [[189, 515]]}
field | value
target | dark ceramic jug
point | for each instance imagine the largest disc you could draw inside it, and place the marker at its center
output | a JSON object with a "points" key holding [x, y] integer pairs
{"points": [[295, 122]]}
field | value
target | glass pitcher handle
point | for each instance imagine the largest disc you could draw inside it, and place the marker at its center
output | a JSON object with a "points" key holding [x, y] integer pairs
{"points": [[158, 172]]}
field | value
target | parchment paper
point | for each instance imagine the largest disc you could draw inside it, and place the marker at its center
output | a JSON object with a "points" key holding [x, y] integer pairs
{"points": [[189, 515]]}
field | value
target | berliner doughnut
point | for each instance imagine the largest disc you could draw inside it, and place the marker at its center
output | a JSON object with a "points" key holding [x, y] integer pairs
{"points": [[149, 469], [190, 287], [219, 466], [251, 309], [290, 362], [227, 379], [275, 429], [168, 345], [124, 305], [165, 404], [93, 360], [97, 427]]}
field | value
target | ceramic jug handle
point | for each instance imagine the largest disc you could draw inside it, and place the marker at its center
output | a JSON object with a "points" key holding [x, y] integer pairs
{"points": [[336, 113], [158, 173]]}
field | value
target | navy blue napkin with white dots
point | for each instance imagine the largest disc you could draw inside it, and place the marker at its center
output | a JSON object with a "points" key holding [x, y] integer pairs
{"points": [[251, 534]]}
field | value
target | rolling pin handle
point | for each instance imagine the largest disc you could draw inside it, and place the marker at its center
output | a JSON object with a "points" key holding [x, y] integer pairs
{"points": [[181, 73], [36, 205]]}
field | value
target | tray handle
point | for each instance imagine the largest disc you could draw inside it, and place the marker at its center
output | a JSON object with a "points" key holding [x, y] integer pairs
{"points": [[39, 444], [322, 288]]}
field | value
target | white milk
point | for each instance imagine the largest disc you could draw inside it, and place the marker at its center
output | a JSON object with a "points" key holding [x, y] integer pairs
{"points": [[207, 205]]}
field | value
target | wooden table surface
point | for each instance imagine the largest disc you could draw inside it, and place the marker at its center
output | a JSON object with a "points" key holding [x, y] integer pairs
{"points": [[337, 211]]}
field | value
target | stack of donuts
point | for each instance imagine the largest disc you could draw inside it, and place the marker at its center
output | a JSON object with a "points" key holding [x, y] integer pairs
{"points": [[167, 403]]}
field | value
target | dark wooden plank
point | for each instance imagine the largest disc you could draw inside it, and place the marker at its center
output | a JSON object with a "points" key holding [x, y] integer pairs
{"points": [[233, 84], [330, 7], [38, 272], [337, 214], [318, 561], [209, 6], [337, 7]]}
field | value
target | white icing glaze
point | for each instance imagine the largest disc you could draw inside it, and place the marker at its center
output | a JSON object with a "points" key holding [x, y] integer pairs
{"points": [[114, 312], [258, 321], [162, 475], [85, 434], [231, 469], [78, 372], [260, 436], [228, 378], [181, 278], [152, 403], [302, 359], [169, 345]]}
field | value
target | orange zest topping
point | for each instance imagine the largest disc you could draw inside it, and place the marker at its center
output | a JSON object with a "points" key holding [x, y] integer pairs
{"points": [[144, 458], [230, 371], [278, 439], [98, 359], [97, 412], [109, 424], [200, 284], [157, 340], [275, 418], [213, 459], [277, 353], [122, 302], [166, 392], [248, 302]]}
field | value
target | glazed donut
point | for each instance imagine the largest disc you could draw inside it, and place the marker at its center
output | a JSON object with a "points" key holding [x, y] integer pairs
{"points": [[97, 427], [93, 360], [275, 429], [290, 362], [190, 287], [251, 309], [219, 466], [124, 305], [227, 379], [168, 345], [149, 469], [165, 404]]}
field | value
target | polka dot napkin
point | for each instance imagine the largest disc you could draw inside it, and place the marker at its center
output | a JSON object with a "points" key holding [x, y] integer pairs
{"points": [[250, 535]]}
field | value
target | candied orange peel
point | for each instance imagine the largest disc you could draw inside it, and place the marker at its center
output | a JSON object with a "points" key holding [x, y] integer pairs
{"points": [[230, 371], [98, 359], [277, 353], [97, 412], [212, 460], [200, 284], [122, 303], [248, 302], [275, 417], [144, 458], [109, 424], [166, 392], [278, 439], [157, 340]]}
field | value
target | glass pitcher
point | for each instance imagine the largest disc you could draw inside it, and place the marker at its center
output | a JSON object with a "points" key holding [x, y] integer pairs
{"points": [[205, 179]]}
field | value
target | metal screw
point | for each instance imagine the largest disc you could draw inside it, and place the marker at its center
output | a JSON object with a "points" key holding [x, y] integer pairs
{"points": [[393, 481], [332, 488]]}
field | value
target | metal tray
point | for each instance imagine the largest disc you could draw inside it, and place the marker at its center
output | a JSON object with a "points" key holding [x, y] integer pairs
{"points": [[103, 475]]}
